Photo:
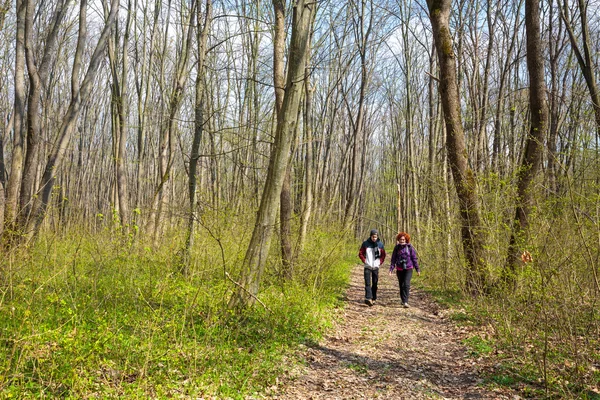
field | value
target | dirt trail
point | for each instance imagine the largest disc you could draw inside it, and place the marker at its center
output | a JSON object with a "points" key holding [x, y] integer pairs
{"points": [[388, 352]]}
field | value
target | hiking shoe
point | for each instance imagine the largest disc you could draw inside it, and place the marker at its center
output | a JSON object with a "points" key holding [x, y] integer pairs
{"points": [[405, 305], [374, 301], [369, 302]]}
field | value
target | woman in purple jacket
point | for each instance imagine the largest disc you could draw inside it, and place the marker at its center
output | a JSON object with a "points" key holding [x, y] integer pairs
{"points": [[404, 260]]}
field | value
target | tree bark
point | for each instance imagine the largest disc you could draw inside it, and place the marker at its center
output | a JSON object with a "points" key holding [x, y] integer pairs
{"points": [[119, 109], [168, 129], [362, 33], [534, 144], [38, 80], [14, 180], [464, 179], [41, 202], [143, 90], [258, 248], [307, 204], [504, 73], [285, 198], [201, 40], [556, 44]]}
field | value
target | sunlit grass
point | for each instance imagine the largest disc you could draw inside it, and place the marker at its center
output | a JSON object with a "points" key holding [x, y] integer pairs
{"points": [[96, 317]]}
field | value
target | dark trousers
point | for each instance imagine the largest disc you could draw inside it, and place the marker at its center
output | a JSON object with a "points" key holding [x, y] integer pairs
{"points": [[371, 279], [404, 277]]}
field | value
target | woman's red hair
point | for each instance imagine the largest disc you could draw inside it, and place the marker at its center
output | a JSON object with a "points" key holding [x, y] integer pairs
{"points": [[406, 236]]}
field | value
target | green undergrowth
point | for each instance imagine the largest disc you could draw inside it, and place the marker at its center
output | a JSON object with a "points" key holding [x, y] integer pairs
{"points": [[96, 318], [534, 341], [532, 344], [535, 326]]}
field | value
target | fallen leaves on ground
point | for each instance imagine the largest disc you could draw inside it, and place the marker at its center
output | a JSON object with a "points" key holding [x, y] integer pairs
{"points": [[388, 352]]}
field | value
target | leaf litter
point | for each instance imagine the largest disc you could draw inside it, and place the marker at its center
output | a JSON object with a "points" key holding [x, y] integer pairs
{"points": [[388, 352]]}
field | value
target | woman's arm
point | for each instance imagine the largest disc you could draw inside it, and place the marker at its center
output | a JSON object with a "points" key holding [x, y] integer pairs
{"points": [[413, 255], [394, 257]]}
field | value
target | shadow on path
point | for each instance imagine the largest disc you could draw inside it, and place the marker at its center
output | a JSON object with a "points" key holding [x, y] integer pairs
{"points": [[389, 352]]}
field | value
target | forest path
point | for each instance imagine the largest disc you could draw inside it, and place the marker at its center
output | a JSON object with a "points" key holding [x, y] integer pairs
{"points": [[388, 352]]}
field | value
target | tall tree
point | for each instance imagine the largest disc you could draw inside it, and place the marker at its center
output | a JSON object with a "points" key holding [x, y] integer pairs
{"points": [[362, 28], [175, 99], [258, 248], [201, 41], [16, 168], [38, 71], [534, 143], [307, 203], [285, 198], [464, 178], [556, 46], [119, 111], [79, 95]]}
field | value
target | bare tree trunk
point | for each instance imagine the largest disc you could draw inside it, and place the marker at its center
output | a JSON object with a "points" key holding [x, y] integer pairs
{"points": [[258, 248], [398, 208], [464, 179], [363, 36], [481, 136], [415, 216], [38, 79], [162, 160], [14, 179], [309, 161], [201, 40], [432, 131], [143, 90], [556, 45], [285, 198], [504, 73], [119, 108], [279, 54], [168, 129], [534, 143], [40, 203], [285, 222]]}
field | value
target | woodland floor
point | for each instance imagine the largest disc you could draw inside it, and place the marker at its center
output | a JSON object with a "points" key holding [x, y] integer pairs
{"points": [[389, 352]]}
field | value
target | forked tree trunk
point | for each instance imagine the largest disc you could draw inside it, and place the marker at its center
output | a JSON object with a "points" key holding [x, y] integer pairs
{"points": [[258, 248], [285, 198], [38, 71], [464, 179], [81, 94]]}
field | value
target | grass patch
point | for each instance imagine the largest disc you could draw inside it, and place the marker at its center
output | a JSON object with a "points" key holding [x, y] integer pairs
{"points": [[448, 298], [503, 380], [92, 318], [478, 346], [462, 318]]}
